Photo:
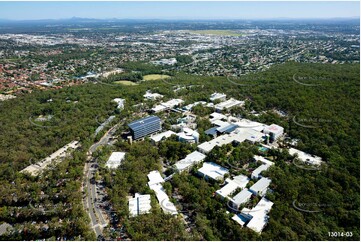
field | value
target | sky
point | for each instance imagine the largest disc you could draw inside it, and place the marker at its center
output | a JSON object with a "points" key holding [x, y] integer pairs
{"points": [[178, 10]]}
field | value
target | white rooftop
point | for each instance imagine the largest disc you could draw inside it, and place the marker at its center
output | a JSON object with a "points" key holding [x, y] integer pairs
{"points": [[115, 160], [120, 102], [140, 204], [217, 116], [163, 199], [232, 184], [228, 104], [242, 197], [239, 219], [216, 96], [189, 160], [167, 105], [273, 128], [245, 123], [259, 170], [213, 170], [220, 123], [259, 215], [240, 180], [260, 185], [158, 137], [239, 135], [152, 96], [227, 189], [310, 159], [56, 157], [263, 160], [172, 103], [154, 178], [190, 106]]}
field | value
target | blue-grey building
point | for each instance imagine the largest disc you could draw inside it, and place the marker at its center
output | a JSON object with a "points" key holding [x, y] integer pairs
{"points": [[145, 126]]}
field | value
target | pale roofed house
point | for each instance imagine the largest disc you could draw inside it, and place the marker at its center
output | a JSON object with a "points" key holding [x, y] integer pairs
{"points": [[167, 105], [216, 116], [239, 135]]}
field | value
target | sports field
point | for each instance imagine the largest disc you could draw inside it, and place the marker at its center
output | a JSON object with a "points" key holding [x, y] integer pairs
{"points": [[126, 83], [154, 77]]}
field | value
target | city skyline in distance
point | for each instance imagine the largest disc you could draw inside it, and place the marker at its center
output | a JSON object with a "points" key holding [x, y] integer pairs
{"points": [[179, 10]]}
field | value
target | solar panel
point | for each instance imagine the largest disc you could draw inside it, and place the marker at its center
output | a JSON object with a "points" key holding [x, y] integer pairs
{"points": [[140, 122]]}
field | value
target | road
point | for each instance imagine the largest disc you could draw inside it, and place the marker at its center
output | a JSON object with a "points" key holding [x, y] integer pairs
{"points": [[90, 188]]}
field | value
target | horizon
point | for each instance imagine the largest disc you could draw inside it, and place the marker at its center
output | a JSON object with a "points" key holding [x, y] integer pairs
{"points": [[239, 10]]}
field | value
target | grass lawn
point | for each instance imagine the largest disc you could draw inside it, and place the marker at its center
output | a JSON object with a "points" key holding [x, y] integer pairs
{"points": [[216, 32], [126, 83], [154, 77]]}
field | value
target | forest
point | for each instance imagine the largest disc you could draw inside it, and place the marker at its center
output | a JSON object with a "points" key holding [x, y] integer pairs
{"points": [[323, 99]]}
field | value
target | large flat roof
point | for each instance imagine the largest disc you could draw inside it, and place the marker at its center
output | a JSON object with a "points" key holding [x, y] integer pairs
{"points": [[261, 184], [242, 197], [216, 116], [115, 159], [189, 160], [163, 199], [140, 204], [308, 158], [137, 124], [227, 189], [259, 215], [263, 160], [213, 170], [259, 170], [238, 135], [239, 181], [274, 128], [229, 103], [154, 178], [160, 136], [216, 96]]}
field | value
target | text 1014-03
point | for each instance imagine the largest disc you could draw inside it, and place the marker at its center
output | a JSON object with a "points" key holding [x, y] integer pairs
{"points": [[340, 234]]}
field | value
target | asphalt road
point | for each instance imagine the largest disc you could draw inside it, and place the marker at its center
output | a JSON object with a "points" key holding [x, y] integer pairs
{"points": [[98, 222]]}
